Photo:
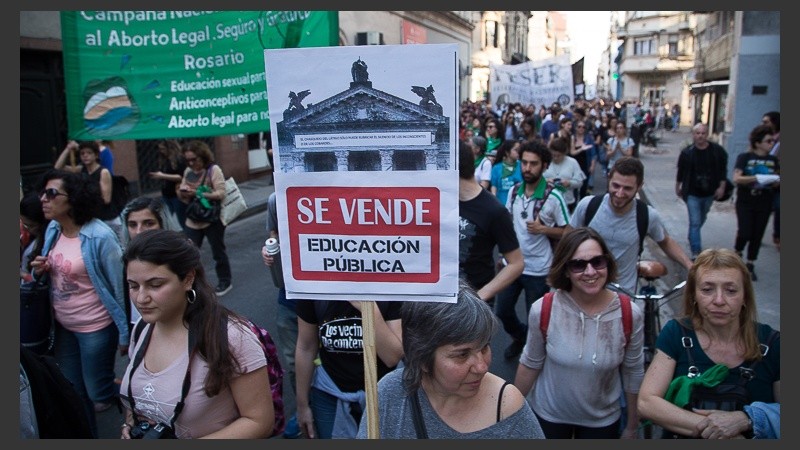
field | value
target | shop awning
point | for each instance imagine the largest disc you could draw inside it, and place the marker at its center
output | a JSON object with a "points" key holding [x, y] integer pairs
{"points": [[717, 86]]}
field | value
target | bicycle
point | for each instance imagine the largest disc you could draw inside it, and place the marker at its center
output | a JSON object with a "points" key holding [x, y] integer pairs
{"points": [[653, 300]]}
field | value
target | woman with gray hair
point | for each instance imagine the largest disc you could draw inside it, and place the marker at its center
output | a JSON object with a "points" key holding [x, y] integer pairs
{"points": [[446, 380]]}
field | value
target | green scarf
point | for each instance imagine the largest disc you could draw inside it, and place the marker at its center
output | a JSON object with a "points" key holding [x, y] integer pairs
{"points": [[508, 169], [680, 389], [492, 143]]}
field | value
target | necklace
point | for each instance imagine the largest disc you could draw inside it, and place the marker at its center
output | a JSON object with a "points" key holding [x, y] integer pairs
{"points": [[524, 213]]}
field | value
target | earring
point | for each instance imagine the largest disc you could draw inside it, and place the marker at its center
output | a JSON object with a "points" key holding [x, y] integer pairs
{"points": [[191, 298]]}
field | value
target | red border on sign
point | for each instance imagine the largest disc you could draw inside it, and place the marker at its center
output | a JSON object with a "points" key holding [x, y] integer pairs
{"points": [[338, 226]]}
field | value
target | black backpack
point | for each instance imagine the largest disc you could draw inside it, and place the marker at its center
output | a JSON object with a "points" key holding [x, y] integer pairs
{"points": [[60, 411], [642, 216]]}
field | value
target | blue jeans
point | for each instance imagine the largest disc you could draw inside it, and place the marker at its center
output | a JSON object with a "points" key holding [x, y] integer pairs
{"points": [[286, 324], [323, 406], [776, 218], [216, 238], [87, 361], [505, 307], [698, 208]]}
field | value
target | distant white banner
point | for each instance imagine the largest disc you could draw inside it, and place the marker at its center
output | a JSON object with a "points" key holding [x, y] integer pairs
{"points": [[538, 82]]}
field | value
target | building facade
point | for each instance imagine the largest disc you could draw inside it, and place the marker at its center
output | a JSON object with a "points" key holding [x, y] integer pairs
{"points": [[736, 77], [657, 52]]}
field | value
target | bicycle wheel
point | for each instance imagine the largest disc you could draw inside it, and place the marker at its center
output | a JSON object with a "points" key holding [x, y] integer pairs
{"points": [[652, 324]]}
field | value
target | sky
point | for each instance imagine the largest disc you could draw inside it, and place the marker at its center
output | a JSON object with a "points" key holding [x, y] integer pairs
{"points": [[588, 33]]}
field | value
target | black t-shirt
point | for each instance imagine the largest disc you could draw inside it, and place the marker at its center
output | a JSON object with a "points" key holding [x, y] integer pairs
{"points": [[104, 211], [483, 223], [755, 194], [341, 347], [168, 188], [701, 171]]}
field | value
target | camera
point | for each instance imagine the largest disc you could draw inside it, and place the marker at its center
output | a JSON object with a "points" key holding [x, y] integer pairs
{"points": [[144, 430]]}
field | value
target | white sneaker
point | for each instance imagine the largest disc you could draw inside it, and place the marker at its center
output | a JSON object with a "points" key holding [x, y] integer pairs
{"points": [[223, 289]]}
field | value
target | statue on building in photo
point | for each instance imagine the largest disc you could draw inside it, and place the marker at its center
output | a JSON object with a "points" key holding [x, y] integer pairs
{"points": [[359, 71]]}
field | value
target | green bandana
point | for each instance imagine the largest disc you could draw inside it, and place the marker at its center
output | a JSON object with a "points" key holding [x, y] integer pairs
{"points": [[492, 143]]}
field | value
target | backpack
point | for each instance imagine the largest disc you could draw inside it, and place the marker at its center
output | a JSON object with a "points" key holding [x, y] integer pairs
{"points": [[642, 216], [275, 375], [60, 411], [537, 206], [624, 303], [724, 396], [274, 370]]}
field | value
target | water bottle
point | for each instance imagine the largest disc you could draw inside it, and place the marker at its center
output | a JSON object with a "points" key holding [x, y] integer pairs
{"points": [[274, 250]]}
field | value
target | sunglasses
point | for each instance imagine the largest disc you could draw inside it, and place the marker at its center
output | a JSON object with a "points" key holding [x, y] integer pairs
{"points": [[52, 193], [768, 141], [579, 265]]}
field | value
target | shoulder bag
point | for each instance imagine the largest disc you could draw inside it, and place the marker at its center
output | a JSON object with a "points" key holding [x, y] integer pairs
{"points": [[201, 209], [35, 316], [234, 205]]}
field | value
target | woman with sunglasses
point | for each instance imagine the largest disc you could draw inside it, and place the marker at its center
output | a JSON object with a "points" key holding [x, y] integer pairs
{"points": [[757, 175], [578, 371], [84, 260]]}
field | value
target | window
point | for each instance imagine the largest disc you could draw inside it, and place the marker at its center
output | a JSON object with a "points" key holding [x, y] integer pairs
{"points": [[491, 33], [673, 45], [643, 46]]}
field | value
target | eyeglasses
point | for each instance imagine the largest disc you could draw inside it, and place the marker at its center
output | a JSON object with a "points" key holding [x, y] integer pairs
{"points": [[768, 141], [52, 193], [599, 262], [490, 126], [191, 160], [580, 126]]}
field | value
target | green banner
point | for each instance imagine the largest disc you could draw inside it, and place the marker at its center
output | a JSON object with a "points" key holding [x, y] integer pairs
{"points": [[174, 74]]}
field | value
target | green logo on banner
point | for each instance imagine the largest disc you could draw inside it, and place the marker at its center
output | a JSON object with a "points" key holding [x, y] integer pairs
{"points": [[173, 74]]}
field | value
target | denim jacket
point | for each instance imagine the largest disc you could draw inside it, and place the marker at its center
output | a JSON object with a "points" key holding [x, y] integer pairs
{"points": [[102, 255], [766, 419]]}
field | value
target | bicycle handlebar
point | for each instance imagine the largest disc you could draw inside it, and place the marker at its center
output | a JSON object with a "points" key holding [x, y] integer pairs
{"points": [[616, 287]]}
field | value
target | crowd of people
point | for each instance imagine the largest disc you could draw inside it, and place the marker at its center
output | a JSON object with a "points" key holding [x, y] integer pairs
{"points": [[547, 205]]}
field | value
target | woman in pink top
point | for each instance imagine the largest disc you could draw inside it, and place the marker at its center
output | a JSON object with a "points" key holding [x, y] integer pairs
{"points": [[190, 335]]}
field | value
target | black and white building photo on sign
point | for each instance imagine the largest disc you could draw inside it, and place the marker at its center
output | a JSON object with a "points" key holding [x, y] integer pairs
{"points": [[360, 110], [365, 149]]}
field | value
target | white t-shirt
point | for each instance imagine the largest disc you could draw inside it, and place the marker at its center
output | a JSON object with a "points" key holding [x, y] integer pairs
{"points": [[484, 170], [536, 250], [568, 169]]}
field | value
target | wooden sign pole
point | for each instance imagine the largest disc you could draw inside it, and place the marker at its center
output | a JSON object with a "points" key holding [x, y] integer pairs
{"points": [[370, 369]]}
